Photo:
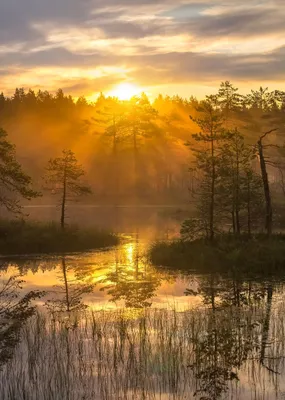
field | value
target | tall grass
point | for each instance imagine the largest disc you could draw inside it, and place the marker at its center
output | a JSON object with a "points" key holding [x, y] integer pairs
{"points": [[143, 354], [21, 237]]}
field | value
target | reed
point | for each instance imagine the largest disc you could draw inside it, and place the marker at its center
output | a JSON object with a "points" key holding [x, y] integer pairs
{"points": [[142, 354]]}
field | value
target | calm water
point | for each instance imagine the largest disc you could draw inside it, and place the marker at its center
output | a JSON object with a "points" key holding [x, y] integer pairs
{"points": [[134, 331]]}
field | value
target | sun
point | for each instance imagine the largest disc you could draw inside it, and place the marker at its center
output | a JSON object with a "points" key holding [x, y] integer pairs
{"points": [[125, 91]]}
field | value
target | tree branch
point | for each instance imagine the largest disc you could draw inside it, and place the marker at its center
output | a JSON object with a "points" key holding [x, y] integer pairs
{"points": [[268, 133]]}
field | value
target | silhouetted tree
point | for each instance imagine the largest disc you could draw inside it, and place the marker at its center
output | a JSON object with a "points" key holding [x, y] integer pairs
{"points": [[207, 158], [13, 181], [139, 122], [228, 99], [237, 179], [260, 99], [65, 173], [15, 311], [265, 180]]}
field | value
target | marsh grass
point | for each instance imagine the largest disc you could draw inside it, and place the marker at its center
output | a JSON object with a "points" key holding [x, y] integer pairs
{"points": [[256, 255], [144, 354], [21, 237]]}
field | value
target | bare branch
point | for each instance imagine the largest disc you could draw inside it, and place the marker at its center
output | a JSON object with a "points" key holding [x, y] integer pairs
{"points": [[268, 133]]}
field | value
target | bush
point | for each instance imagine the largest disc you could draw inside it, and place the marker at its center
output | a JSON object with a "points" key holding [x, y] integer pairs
{"points": [[192, 229]]}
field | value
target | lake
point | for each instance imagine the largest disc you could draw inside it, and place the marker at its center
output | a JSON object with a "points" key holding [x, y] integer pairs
{"points": [[112, 326]]}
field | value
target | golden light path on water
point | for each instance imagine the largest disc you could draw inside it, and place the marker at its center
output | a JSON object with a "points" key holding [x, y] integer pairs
{"points": [[119, 277]]}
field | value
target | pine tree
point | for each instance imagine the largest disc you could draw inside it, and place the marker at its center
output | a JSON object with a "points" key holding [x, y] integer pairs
{"points": [[139, 123], [64, 174], [108, 124], [2, 101], [236, 158], [228, 97], [230, 102], [13, 181], [253, 199], [207, 158], [260, 99], [240, 188]]}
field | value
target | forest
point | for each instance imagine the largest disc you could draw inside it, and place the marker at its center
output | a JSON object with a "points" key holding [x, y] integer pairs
{"points": [[141, 151]]}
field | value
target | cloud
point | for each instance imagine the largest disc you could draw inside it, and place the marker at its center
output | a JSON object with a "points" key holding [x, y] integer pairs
{"points": [[151, 42], [174, 68], [244, 23], [88, 87]]}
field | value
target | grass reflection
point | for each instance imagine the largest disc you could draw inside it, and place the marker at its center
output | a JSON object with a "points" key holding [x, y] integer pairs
{"points": [[144, 354], [225, 348]]}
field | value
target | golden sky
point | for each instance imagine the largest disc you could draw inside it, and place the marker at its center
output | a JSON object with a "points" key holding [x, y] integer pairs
{"points": [[164, 46]]}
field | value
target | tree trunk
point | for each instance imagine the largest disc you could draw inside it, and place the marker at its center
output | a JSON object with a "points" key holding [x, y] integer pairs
{"points": [[267, 194], [136, 172], [115, 171], [212, 200], [213, 293], [266, 324], [136, 256], [237, 190], [234, 221], [248, 209], [63, 202], [237, 220], [65, 285]]}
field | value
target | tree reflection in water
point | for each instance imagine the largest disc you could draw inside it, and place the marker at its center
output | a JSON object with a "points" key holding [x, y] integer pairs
{"points": [[233, 342], [69, 293], [135, 283], [230, 335], [15, 310], [127, 278]]}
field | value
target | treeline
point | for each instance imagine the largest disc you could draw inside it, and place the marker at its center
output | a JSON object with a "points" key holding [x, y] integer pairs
{"points": [[234, 186], [134, 149]]}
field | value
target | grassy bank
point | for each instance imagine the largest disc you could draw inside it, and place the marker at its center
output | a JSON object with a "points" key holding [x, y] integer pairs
{"points": [[18, 237], [227, 253]]}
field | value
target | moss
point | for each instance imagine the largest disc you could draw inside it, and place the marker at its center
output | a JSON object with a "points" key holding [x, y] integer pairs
{"points": [[18, 237]]}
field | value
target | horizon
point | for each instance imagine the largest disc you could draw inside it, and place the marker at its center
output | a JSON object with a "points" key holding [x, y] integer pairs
{"points": [[120, 94]]}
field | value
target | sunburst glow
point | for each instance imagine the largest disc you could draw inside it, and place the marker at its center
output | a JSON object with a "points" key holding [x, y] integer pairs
{"points": [[125, 91]]}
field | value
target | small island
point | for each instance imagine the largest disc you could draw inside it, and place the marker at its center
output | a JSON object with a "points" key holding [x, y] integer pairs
{"points": [[23, 237], [255, 255]]}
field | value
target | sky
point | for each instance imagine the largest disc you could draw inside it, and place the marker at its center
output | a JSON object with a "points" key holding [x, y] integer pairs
{"points": [[162, 46]]}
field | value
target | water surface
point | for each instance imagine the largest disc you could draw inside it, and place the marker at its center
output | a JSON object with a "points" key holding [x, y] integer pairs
{"points": [[116, 327]]}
